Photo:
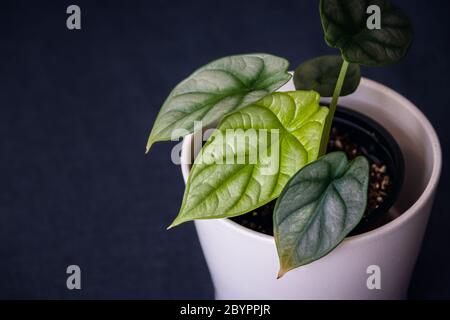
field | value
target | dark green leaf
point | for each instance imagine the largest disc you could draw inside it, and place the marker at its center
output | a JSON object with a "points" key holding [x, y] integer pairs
{"points": [[216, 89], [344, 24], [319, 206], [222, 188], [320, 74]]}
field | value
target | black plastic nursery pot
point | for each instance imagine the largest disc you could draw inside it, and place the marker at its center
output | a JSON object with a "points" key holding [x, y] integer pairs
{"points": [[355, 134]]}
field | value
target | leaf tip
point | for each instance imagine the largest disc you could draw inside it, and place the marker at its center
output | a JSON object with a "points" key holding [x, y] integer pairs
{"points": [[170, 227], [281, 272], [284, 268], [149, 145], [175, 223]]}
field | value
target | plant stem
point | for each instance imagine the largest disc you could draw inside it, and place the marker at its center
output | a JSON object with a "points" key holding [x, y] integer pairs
{"points": [[332, 109]]}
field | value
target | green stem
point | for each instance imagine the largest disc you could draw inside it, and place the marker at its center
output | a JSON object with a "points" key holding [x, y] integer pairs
{"points": [[332, 109]]}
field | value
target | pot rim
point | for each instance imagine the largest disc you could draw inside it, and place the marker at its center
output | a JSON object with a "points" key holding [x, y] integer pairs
{"points": [[388, 227]]}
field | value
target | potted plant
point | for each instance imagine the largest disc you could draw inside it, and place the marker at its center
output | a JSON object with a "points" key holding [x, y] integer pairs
{"points": [[293, 199]]}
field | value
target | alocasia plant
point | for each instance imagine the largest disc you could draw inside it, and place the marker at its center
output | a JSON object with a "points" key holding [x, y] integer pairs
{"points": [[318, 207], [216, 89], [217, 189], [273, 145], [344, 25]]}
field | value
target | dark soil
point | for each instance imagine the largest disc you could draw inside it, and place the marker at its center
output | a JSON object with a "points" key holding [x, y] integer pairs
{"points": [[379, 186]]}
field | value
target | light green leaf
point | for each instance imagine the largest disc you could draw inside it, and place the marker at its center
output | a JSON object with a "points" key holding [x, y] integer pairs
{"points": [[321, 74], [217, 89], [216, 189], [319, 206], [345, 25]]}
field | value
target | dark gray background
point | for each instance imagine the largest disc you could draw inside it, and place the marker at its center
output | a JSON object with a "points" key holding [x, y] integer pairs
{"points": [[75, 111]]}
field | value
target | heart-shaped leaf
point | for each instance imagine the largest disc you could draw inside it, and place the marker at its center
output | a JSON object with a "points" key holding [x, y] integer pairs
{"points": [[321, 74], [345, 25], [283, 130], [216, 89], [319, 206]]}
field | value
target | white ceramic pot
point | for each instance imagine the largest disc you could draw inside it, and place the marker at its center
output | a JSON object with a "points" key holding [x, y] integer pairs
{"points": [[244, 263]]}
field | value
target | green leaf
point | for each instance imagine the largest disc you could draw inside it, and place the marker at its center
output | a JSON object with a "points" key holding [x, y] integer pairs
{"points": [[217, 189], [345, 25], [319, 206], [320, 74], [216, 89]]}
